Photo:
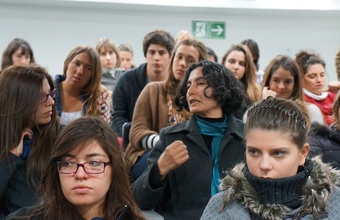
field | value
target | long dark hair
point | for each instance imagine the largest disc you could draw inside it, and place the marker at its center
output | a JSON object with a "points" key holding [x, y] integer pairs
{"points": [[19, 100], [77, 135]]}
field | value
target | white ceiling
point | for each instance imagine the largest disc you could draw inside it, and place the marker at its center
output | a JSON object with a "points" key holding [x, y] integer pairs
{"points": [[322, 8]]}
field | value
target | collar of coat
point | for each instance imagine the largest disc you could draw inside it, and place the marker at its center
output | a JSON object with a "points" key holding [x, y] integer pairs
{"points": [[315, 193], [235, 127]]}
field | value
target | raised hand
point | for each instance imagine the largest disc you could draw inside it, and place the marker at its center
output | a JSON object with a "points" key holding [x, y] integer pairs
{"points": [[266, 92], [18, 149], [173, 156]]}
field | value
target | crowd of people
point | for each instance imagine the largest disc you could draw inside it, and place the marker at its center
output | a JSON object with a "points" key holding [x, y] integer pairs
{"points": [[207, 139]]}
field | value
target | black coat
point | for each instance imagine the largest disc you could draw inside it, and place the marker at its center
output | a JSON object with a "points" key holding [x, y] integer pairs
{"points": [[185, 191], [325, 141]]}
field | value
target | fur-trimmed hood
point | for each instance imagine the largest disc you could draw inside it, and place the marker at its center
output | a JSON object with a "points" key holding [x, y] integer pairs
{"points": [[315, 193], [317, 129]]}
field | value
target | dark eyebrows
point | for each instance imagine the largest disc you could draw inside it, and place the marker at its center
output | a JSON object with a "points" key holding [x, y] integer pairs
{"points": [[94, 155], [275, 149], [197, 79], [87, 156]]}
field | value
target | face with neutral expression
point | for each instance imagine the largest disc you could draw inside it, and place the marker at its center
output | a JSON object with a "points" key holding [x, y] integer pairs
{"points": [[315, 78], [86, 191], [157, 58], [21, 59], [282, 82], [44, 112], [272, 154], [79, 70], [126, 60], [185, 55], [199, 104], [236, 62], [108, 58]]}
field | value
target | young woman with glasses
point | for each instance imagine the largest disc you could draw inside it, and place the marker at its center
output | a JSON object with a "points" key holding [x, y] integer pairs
{"points": [[28, 128], [86, 177]]}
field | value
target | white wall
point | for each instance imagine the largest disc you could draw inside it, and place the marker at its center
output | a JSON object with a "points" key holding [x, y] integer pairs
{"points": [[53, 31]]}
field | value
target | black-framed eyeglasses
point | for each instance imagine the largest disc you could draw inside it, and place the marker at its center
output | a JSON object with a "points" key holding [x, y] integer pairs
{"points": [[44, 97], [91, 167]]}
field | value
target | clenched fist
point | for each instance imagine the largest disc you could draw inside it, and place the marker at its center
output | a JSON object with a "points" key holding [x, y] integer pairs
{"points": [[173, 156]]}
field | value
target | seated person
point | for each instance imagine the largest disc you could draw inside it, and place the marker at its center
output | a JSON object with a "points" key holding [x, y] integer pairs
{"points": [[157, 47], [325, 140], [28, 129], [278, 181], [313, 68], [186, 165], [79, 91], [155, 108], [85, 178]]}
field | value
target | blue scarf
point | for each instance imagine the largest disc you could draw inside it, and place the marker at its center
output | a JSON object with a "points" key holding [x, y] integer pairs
{"points": [[217, 131]]}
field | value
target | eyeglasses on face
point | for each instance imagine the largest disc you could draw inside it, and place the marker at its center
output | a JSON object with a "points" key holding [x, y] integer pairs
{"points": [[91, 167], [44, 97]]}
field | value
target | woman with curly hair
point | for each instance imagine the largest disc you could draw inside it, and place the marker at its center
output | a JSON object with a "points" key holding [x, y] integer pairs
{"points": [[186, 164], [155, 108]]}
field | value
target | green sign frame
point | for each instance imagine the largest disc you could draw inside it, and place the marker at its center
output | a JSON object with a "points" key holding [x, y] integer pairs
{"points": [[208, 29]]}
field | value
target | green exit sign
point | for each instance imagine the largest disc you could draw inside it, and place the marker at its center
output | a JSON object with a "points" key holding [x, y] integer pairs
{"points": [[208, 29]]}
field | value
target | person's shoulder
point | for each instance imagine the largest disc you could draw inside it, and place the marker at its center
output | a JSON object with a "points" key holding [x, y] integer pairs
{"points": [[21, 213], [332, 205], [319, 129], [177, 128], [133, 74], [59, 78], [157, 85], [236, 125], [217, 209]]}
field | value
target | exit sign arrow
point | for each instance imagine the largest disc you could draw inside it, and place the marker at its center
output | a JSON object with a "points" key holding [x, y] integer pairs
{"points": [[218, 30]]}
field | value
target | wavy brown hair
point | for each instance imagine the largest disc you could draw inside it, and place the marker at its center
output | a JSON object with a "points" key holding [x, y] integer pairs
{"points": [[93, 89], [249, 79], [171, 83]]}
